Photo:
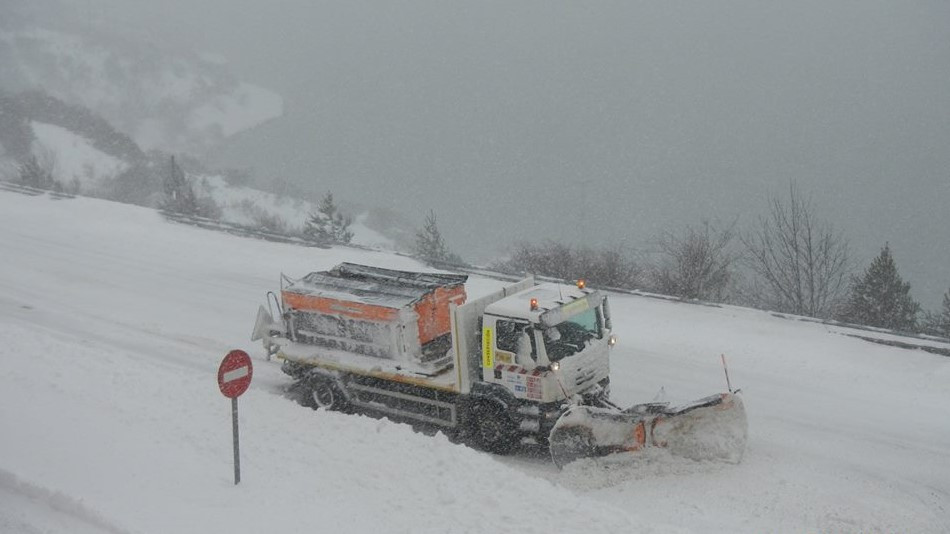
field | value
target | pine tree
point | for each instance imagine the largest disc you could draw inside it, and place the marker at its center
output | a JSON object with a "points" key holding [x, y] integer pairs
{"points": [[943, 318], [179, 195], [328, 225], [430, 246], [881, 298], [938, 323]]}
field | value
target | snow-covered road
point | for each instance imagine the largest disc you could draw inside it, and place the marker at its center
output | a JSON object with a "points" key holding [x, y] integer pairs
{"points": [[113, 322]]}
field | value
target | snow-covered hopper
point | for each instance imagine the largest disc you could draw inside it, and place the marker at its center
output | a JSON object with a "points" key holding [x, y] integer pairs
{"points": [[383, 313]]}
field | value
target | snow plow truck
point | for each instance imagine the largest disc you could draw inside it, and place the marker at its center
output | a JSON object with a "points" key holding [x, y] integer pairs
{"points": [[527, 364]]}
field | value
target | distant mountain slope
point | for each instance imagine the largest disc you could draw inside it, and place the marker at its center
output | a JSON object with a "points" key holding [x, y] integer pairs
{"points": [[181, 101], [86, 155], [72, 158], [79, 148], [252, 207]]}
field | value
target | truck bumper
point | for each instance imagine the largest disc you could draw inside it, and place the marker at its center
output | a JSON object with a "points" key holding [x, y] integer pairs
{"points": [[537, 420]]}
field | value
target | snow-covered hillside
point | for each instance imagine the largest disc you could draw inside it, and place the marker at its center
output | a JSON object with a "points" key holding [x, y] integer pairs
{"points": [[113, 322], [71, 158], [248, 206]]}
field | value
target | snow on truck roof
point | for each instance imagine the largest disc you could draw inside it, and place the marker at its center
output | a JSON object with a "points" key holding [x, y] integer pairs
{"points": [[373, 285], [550, 296]]}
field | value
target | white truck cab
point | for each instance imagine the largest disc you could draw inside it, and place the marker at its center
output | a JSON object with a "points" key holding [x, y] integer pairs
{"points": [[548, 343]]}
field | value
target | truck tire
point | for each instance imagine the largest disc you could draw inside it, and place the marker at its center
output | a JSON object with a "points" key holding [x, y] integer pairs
{"points": [[491, 428], [325, 394], [570, 444]]}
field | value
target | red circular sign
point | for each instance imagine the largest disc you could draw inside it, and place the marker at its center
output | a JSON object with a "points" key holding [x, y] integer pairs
{"points": [[234, 375]]}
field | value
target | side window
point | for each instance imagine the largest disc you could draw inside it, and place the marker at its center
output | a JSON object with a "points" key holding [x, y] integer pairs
{"points": [[506, 335], [518, 339]]}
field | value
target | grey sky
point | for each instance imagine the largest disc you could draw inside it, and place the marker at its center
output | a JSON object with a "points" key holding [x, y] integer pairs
{"points": [[600, 121]]}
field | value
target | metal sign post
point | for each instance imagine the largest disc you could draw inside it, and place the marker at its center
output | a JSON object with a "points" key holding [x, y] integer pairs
{"points": [[234, 377], [234, 432]]}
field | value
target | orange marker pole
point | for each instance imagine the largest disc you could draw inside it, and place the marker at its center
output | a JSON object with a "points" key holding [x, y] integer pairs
{"points": [[726, 369]]}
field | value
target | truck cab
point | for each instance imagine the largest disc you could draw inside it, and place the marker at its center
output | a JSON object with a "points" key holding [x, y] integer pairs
{"points": [[548, 343]]}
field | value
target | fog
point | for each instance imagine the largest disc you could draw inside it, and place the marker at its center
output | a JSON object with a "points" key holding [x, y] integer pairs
{"points": [[597, 122]]}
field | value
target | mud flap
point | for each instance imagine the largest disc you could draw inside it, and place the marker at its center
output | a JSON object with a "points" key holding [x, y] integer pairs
{"points": [[262, 325], [712, 428]]}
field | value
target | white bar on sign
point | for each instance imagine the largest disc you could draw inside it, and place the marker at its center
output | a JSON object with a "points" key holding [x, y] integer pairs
{"points": [[234, 374]]}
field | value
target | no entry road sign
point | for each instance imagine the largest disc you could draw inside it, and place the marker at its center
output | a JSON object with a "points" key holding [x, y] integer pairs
{"points": [[234, 375]]}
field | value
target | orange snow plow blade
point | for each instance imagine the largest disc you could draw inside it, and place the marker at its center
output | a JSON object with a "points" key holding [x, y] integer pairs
{"points": [[711, 428]]}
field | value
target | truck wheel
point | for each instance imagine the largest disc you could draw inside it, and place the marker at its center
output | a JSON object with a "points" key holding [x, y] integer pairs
{"points": [[572, 443], [492, 429], [325, 394]]}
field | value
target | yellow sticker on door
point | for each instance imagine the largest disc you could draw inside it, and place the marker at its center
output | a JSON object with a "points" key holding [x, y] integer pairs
{"points": [[488, 349]]}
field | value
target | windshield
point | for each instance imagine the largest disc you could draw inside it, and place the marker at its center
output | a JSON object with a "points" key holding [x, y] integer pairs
{"points": [[571, 336]]}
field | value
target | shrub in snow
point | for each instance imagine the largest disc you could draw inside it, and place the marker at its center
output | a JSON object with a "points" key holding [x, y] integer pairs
{"points": [[938, 324], [696, 264], [36, 174], [603, 267], [262, 218]]}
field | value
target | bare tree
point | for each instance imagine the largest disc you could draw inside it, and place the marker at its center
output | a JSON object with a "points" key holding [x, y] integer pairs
{"points": [[800, 263], [697, 264], [549, 258]]}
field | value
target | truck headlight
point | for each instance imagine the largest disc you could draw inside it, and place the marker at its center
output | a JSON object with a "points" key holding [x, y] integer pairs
{"points": [[555, 366], [612, 340]]}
